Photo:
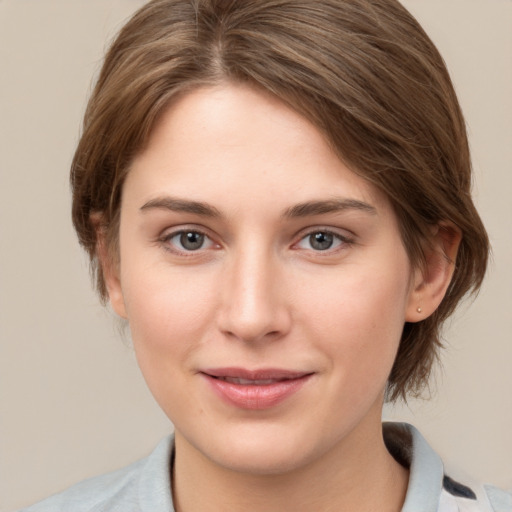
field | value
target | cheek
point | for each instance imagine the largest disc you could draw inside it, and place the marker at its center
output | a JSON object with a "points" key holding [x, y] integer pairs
{"points": [[359, 316], [167, 312]]}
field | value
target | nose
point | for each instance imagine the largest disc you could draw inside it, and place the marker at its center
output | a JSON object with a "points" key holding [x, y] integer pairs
{"points": [[253, 305]]}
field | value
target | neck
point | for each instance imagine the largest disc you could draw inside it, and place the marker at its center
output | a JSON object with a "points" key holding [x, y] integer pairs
{"points": [[358, 474]]}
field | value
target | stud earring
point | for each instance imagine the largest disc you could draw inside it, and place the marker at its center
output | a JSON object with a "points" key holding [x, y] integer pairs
{"points": [[419, 310]]}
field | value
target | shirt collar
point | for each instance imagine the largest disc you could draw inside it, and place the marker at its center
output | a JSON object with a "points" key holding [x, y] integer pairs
{"points": [[402, 440], [411, 450]]}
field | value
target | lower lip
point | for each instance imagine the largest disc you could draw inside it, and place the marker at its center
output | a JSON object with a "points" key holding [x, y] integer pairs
{"points": [[255, 397]]}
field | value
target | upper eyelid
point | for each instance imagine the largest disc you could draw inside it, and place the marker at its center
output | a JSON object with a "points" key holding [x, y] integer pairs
{"points": [[169, 232], [342, 233], [164, 240], [344, 239]]}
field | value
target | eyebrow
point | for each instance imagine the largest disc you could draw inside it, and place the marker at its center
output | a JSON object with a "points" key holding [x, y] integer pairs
{"points": [[306, 209], [311, 208], [181, 205]]}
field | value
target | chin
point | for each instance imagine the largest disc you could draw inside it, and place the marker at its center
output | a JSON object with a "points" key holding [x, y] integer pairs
{"points": [[261, 459], [260, 449]]}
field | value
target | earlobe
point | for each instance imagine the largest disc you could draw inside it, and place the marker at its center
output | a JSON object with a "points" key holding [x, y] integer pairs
{"points": [[431, 282], [109, 267]]}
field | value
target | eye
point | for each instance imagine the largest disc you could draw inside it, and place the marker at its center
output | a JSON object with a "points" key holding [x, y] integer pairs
{"points": [[322, 241], [188, 241]]}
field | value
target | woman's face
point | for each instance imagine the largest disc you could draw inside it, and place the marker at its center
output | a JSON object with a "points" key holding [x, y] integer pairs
{"points": [[266, 285]]}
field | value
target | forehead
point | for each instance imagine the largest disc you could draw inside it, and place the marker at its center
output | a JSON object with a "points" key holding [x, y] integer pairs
{"points": [[247, 139]]}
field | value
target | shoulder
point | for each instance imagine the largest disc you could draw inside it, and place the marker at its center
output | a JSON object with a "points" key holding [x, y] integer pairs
{"points": [[94, 493], [430, 487], [473, 497], [501, 501], [143, 485]]}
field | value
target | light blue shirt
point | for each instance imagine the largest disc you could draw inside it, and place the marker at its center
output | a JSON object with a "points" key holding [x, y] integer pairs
{"points": [[145, 486]]}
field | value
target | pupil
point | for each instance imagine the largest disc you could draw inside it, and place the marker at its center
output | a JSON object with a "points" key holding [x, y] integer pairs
{"points": [[191, 240], [321, 241]]}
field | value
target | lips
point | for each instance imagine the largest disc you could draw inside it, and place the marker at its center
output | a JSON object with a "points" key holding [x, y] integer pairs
{"points": [[254, 390], [249, 382]]}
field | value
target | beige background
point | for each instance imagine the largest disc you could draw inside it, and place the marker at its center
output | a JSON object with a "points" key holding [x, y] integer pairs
{"points": [[72, 403]]}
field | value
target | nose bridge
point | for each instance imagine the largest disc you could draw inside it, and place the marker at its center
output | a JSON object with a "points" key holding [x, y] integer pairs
{"points": [[253, 305]]}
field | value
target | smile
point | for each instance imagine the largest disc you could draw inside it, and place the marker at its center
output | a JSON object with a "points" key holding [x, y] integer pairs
{"points": [[249, 382], [254, 390]]}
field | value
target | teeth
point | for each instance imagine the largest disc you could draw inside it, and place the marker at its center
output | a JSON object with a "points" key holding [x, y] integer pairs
{"points": [[248, 382]]}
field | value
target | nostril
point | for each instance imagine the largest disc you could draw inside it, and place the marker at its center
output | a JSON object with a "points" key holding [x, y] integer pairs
{"points": [[252, 336]]}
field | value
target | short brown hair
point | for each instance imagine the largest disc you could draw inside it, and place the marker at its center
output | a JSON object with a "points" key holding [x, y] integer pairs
{"points": [[363, 71]]}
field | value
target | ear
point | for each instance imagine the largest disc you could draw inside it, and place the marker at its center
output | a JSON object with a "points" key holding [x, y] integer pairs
{"points": [[431, 281], [109, 267]]}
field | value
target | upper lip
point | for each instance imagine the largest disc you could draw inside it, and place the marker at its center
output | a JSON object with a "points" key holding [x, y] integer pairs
{"points": [[259, 374]]}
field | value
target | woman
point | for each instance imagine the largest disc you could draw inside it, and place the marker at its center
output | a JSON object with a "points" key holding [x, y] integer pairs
{"points": [[275, 196]]}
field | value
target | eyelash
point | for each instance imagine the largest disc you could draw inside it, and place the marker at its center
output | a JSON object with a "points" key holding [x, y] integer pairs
{"points": [[341, 241], [166, 241]]}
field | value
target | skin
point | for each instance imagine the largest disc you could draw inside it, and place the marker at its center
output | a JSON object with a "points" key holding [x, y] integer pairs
{"points": [[232, 163]]}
